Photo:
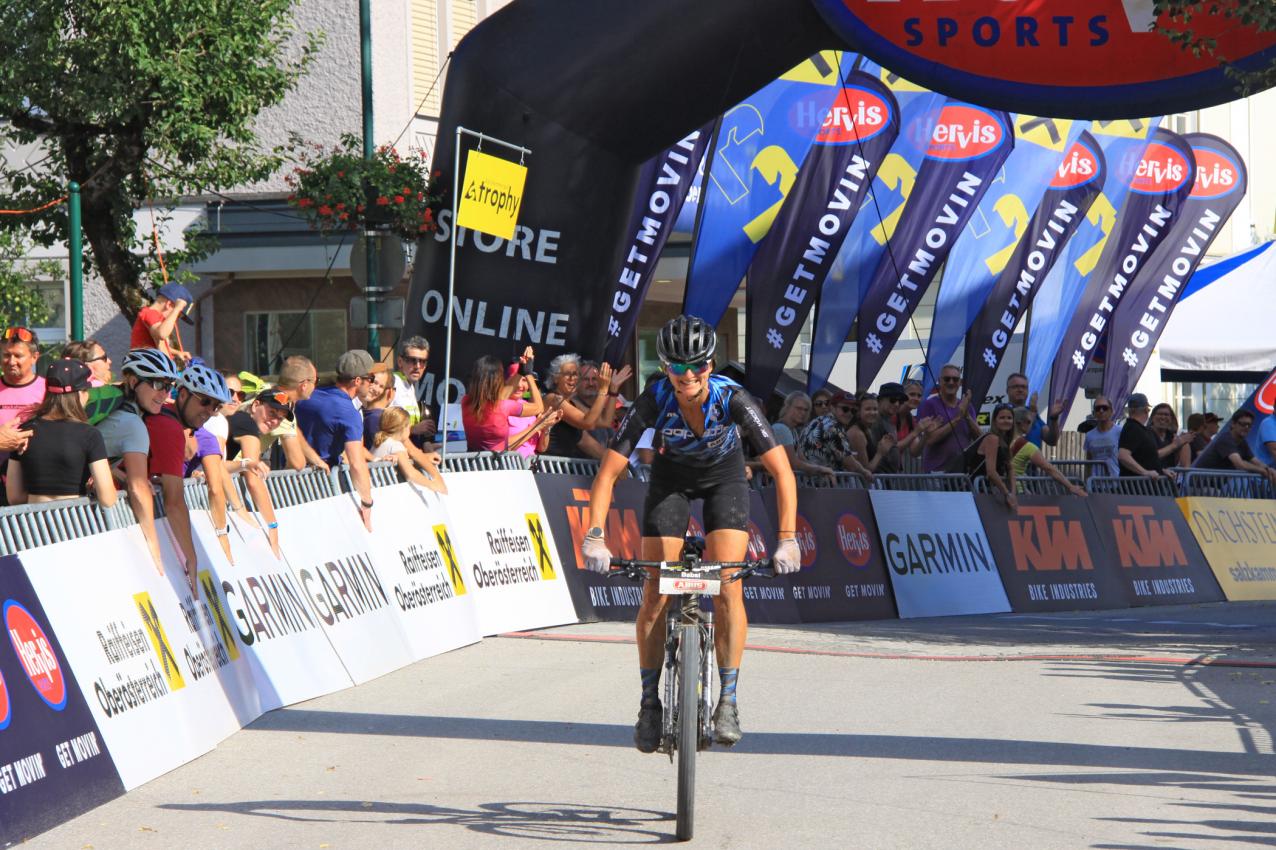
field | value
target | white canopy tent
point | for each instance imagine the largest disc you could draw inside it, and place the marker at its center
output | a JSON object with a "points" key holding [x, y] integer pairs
{"points": [[1226, 319]]}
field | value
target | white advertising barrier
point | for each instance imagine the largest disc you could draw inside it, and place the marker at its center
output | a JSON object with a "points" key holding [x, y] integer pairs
{"points": [[153, 672], [413, 551], [505, 543], [328, 552], [263, 616], [937, 555]]}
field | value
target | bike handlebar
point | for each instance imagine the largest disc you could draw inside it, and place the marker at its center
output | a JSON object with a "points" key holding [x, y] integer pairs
{"points": [[637, 570]]}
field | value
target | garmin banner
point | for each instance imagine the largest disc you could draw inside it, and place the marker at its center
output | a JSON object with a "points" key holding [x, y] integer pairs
{"points": [[1160, 186], [1154, 547], [1221, 183], [1050, 555], [937, 555], [753, 167], [54, 764], [967, 148], [995, 232], [1103, 58], [1078, 180], [864, 247], [1262, 402], [662, 189], [795, 256], [1122, 144]]}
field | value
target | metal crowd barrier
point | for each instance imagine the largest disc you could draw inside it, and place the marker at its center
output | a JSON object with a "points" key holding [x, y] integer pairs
{"points": [[1072, 468], [1026, 485], [931, 482], [552, 465], [836, 481], [384, 473], [25, 527], [1224, 484], [1131, 485], [196, 491], [483, 461], [290, 487]]}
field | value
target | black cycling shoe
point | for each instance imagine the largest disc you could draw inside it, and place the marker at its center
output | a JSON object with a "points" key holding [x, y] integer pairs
{"points": [[647, 729], [726, 724]]}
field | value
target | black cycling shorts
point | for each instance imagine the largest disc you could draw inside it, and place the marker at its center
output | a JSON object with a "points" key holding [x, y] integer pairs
{"points": [[674, 485]]}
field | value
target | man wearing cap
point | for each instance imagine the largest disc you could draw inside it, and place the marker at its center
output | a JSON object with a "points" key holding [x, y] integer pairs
{"points": [[156, 322], [825, 442], [332, 426], [1136, 450], [890, 398]]}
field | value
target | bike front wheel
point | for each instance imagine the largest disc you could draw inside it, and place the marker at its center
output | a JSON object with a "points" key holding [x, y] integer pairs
{"points": [[688, 727]]}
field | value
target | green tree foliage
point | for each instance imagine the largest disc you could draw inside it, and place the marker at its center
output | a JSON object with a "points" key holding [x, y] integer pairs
{"points": [[20, 302], [1259, 15], [138, 100]]}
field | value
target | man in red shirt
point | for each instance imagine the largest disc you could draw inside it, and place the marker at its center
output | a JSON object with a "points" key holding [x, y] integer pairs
{"points": [[155, 323], [201, 391]]}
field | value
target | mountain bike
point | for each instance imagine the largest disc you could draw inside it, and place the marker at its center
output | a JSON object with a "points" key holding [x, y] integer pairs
{"points": [[687, 719]]}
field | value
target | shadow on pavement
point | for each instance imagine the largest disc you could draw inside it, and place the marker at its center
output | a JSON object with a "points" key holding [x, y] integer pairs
{"points": [[557, 822]]}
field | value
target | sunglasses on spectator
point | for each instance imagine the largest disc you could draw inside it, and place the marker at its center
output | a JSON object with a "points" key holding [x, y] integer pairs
{"points": [[951, 379], [19, 333], [845, 408], [680, 369], [99, 357], [415, 361], [1099, 407], [820, 403], [239, 396]]}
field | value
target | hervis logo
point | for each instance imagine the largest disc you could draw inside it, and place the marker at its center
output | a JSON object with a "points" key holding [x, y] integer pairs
{"points": [[540, 546], [448, 551], [1043, 540], [1079, 167], [965, 132], [852, 539], [6, 712], [757, 544], [213, 599], [1217, 174], [1162, 169], [35, 651], [806, 541], [1265, 398], [159, 641], [856, 116]]}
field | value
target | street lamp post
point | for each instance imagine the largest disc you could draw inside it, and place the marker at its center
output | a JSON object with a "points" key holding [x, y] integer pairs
{"points": [[373, 289]]}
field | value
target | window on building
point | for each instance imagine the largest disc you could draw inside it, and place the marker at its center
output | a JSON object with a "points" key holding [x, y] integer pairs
{"points": [[54, 327], [271, 337]]}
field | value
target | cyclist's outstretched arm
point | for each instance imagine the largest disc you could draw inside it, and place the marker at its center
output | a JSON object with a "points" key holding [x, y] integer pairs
{"points": [[612, 467], [776, 462]]}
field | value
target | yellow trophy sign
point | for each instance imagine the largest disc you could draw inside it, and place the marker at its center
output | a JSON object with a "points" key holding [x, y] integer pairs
{"points": [[491, 194]]}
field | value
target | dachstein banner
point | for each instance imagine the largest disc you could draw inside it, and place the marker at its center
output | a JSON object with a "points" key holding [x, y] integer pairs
{"points": [[1122, 144], [1160, 186], [1263, 404], [864, 247], [1221, 183], [995, 232], [937, 555], [662, 189], [753, 167], [1238, 537], [802, 245], [967, 148], [53, 761], [1103, 58], [1077, 181]]}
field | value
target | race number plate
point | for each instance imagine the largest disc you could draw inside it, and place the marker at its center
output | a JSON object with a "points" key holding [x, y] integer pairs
{"points": [[683, 582]]}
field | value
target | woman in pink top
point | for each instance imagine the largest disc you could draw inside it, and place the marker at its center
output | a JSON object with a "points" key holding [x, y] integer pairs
{"points": [[486, 406]]}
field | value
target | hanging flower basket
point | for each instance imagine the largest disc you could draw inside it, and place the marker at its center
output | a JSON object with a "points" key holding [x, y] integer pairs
{"points": [[338, 190]]}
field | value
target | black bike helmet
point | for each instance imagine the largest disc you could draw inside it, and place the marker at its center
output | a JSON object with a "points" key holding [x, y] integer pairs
{"points": [[686, 339]]}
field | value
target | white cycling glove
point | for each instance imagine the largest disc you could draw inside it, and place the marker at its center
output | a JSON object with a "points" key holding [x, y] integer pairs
{"points": [[597, 558], [787, 557]]}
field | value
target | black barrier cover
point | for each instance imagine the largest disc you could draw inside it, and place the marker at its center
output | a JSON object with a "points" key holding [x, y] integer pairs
{"points": [[843, 575], [1151, 544], [53, 761], [1049, 554]]}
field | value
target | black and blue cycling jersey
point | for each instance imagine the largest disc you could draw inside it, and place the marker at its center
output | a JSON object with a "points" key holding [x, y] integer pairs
{"points": [[730, 414]]}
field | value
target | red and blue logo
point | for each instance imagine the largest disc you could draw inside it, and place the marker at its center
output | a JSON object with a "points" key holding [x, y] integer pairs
{"points": [[965, 132], [1265, 398], [1162, 170], [853, 540], [856, 116], [6, 713], [1079, 167], [1217, 173], [36, 654]]}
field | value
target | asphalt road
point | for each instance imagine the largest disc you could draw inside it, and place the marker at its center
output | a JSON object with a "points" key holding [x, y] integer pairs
{"points": [[1150, 728]]}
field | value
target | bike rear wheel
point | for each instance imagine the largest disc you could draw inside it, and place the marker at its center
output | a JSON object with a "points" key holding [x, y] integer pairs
{"points": [[688, 727]]}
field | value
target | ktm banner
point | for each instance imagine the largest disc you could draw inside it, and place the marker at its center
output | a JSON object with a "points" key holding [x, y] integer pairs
{"points": [[1221, 183], [54, 764], [1049, 554], [802, 245], [1160, 186], [1099, 58], [1152, 547], [1238, 537], [1077, 181], [662, 188], [967, 147]]}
